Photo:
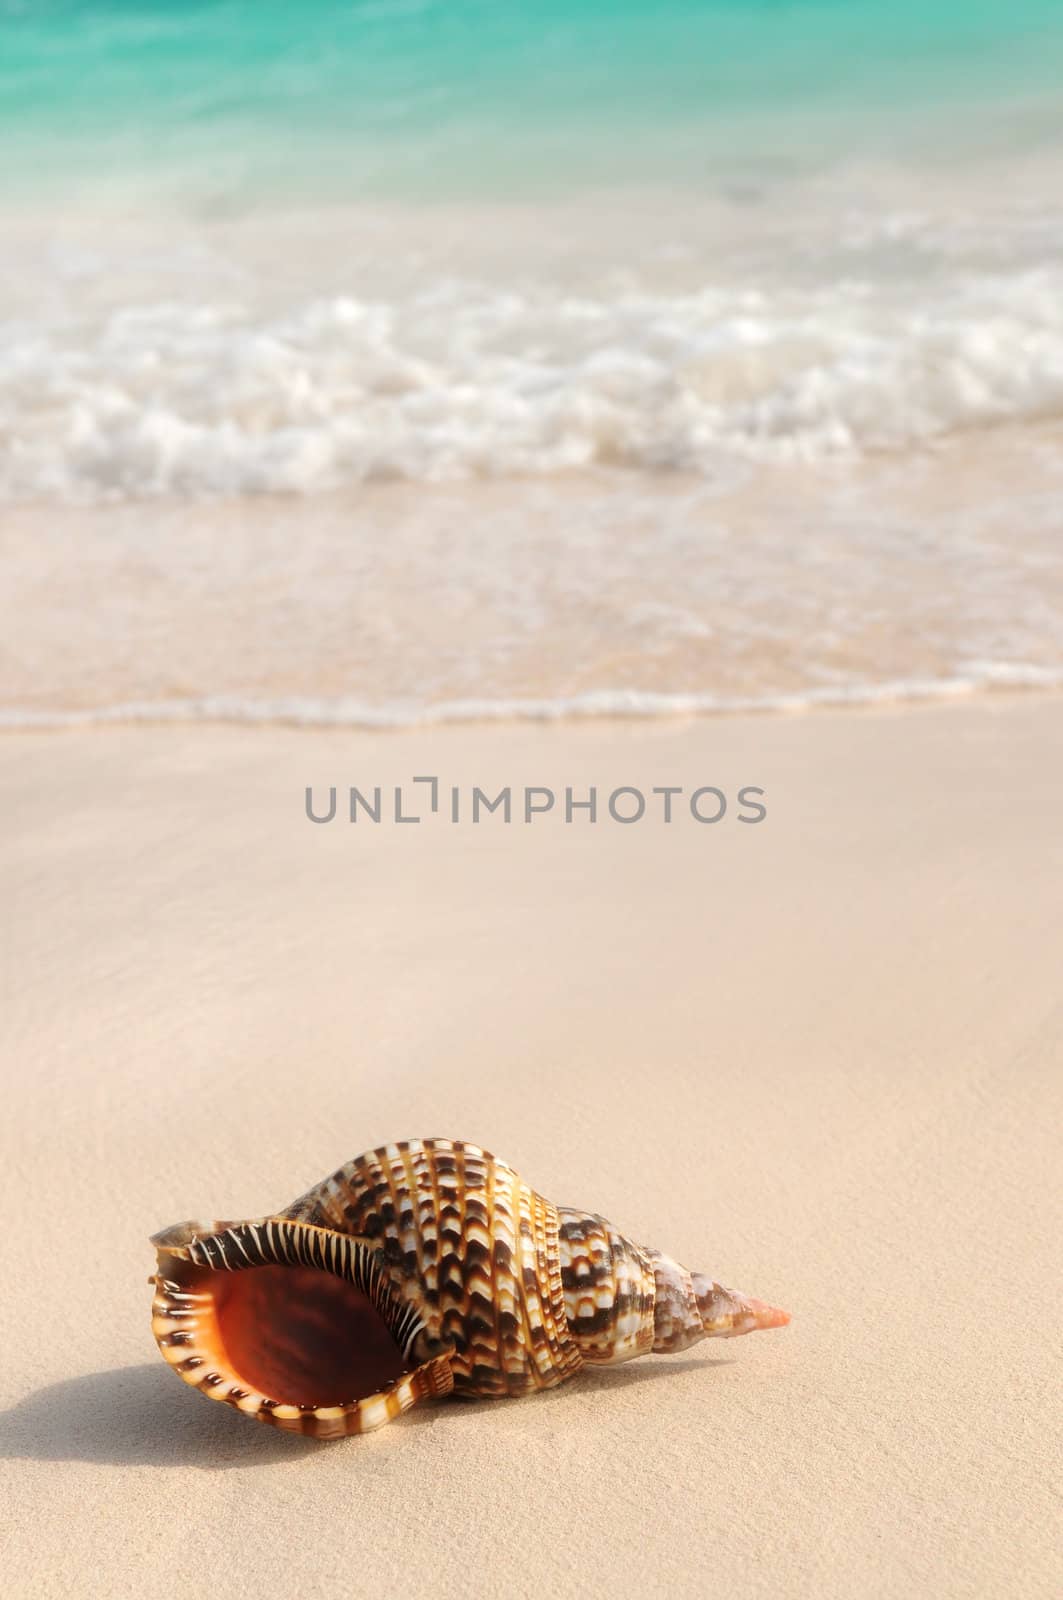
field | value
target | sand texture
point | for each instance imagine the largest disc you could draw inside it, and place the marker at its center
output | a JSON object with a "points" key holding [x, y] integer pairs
{"points": [[819, 1058]]}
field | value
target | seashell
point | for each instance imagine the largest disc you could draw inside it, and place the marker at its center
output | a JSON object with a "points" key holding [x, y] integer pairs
{"points": [[419, 1270]]}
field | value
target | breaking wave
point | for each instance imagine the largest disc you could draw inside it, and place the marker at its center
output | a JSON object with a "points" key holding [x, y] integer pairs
{"points": [[464, 381]]}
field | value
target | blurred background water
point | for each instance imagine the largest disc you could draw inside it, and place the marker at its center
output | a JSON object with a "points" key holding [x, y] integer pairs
{"points": [[453, 97], [545, 356]]}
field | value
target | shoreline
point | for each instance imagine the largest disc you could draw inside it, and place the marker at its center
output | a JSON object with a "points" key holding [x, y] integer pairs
{"points": [[606, 590], [631, 708]]}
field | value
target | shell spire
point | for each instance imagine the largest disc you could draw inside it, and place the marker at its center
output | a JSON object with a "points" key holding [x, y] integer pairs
{"points": [[689, 1306], [418, 1270], [627, 1300]]}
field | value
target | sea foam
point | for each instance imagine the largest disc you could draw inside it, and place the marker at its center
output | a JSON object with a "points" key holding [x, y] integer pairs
{"points": [[463, 380], [607, 704]]}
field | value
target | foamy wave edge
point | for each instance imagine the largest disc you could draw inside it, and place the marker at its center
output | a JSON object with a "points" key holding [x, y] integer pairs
{"points": [[459, 383], [613, 704]]}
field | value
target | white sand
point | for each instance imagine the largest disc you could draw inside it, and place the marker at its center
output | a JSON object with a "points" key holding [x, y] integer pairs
{"points": [[819, 1058]]}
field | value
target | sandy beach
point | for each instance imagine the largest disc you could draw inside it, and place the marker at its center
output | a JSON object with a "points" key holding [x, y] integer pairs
{"points": [[818, 1057]]}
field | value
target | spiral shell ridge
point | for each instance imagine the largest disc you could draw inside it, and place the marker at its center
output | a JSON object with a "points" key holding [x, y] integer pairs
{"points": [[609, 1288]]}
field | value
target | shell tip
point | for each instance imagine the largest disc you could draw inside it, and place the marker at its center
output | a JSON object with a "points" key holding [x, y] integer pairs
{"points": [[768, 1316]]}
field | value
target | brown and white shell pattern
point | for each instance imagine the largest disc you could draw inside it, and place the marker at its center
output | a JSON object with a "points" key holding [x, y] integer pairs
{"points": [[420, 1269]]}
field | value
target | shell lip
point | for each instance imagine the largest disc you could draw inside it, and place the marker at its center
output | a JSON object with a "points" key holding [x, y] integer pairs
{"points": [[180, 1236]]}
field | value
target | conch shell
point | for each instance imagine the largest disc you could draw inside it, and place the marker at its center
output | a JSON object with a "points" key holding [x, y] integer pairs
{"points": [[418, 1270]]}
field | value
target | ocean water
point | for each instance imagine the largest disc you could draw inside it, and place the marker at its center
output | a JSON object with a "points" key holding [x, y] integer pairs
{"points": [[427, 97], [384, 360]]}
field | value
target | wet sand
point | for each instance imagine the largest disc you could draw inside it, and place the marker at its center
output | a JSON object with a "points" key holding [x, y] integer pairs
{"points": [[905, 574]]}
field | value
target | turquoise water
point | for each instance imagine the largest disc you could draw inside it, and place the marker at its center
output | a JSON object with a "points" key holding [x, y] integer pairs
{"points": [[563, 354], [447, 96]]}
